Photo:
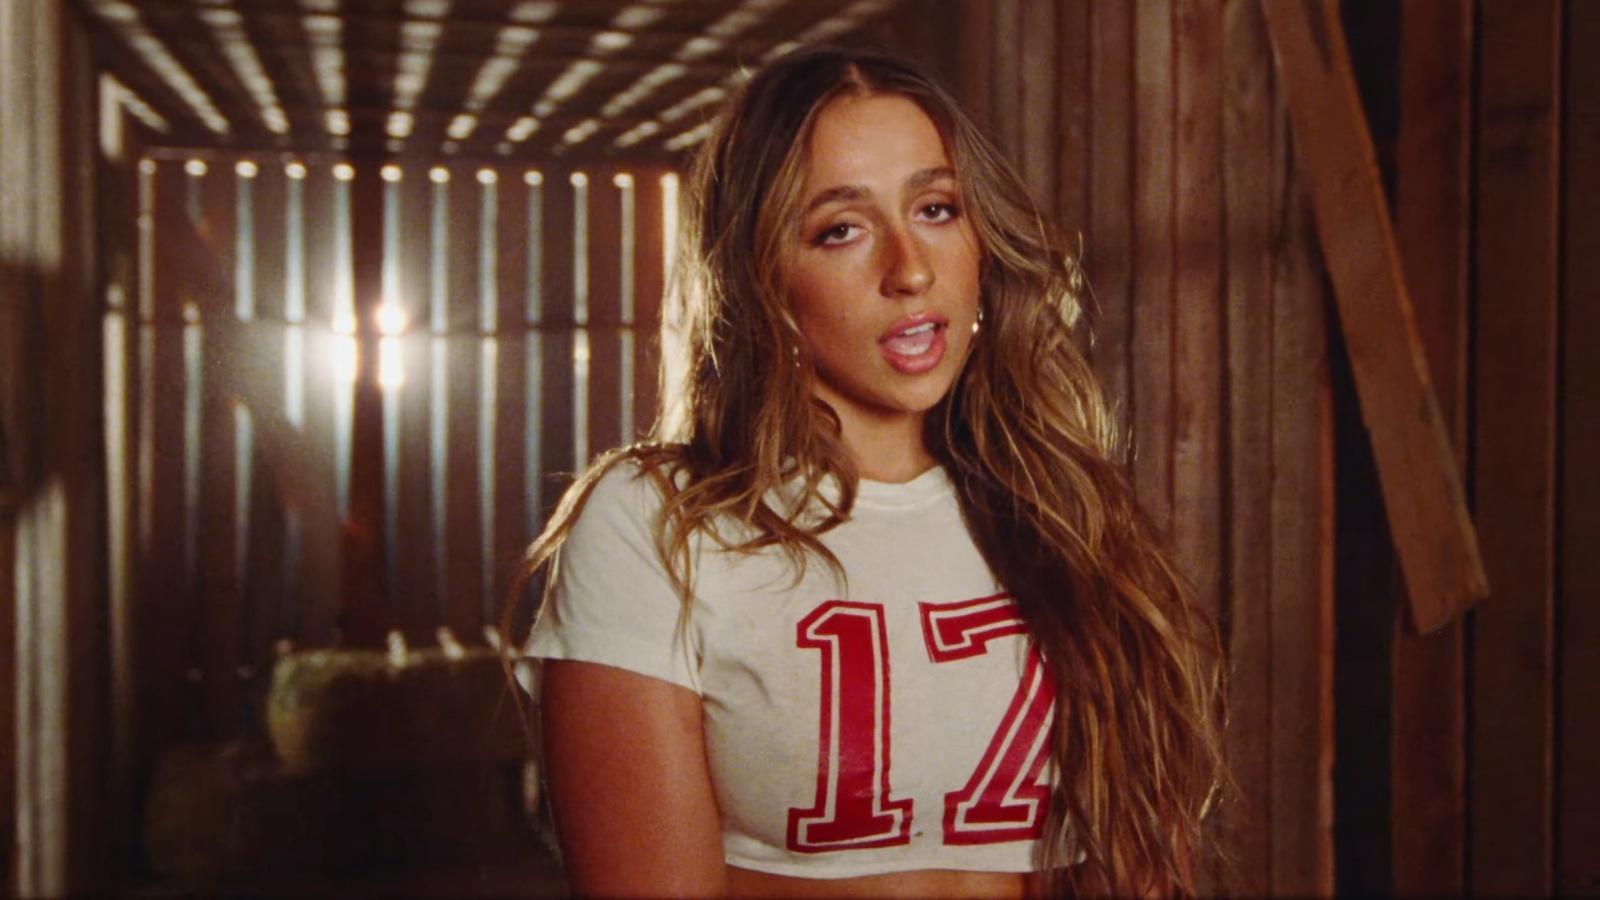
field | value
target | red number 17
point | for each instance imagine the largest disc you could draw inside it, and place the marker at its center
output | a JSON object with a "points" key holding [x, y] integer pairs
{"points": [[854, 807]]}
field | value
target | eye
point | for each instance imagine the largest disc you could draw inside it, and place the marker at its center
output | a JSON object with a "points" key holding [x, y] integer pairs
{"points": [[842, 233], [937, 213]]}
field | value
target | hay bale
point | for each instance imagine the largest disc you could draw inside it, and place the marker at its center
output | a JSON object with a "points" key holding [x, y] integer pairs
{"points": [[353, 711], [233, 817], [219, 815]]}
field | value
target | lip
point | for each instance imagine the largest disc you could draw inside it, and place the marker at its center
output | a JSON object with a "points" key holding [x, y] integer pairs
{"points": [[921, 362]]}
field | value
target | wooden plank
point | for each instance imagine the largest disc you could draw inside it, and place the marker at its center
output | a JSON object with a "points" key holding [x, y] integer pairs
{"points": [[1301, 810], [976, 74], [1197, 321], [1108, 256], [1199, 307], [1153, 259], [268, 526], [364, 613], [463, 532], [123, 240], [1518, 207], [219, 599], [60, 511], [1071, 98], [1005, 84], [1422, 489], [16, 163], [650, 267], [167, 696], [557, 460], [512, 405], [605, 314], [1427, 810], [1250, 158], [8, 668], [320, 528], [415, 576], [1037, 68], [1578, 801]]}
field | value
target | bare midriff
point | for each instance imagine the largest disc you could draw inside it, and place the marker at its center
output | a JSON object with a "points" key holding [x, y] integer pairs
{"points": [[918, 883]]}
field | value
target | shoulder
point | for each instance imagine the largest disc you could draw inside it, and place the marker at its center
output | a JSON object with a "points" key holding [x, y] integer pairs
{"points": [[631, 482]]}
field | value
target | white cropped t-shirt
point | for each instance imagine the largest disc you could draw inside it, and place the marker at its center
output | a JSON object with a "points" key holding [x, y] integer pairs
{"points": [[898, 721]]}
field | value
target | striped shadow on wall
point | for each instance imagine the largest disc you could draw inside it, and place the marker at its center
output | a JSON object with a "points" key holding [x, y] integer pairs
{"points": [[515, 338]]}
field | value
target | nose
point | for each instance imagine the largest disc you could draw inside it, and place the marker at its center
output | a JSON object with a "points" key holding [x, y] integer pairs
{"points": [[906, 272]]}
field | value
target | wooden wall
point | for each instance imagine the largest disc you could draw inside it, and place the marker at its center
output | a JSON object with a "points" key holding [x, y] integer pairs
{"points": [[342, 397], [1495, 719], [52, 650], [1158, 130]]}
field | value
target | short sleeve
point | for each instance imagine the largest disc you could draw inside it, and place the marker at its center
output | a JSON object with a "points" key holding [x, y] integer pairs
{"points": [[612, 601]]}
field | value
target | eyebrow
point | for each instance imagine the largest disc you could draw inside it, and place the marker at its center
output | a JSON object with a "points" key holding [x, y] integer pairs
{"points": [[850, 192]]}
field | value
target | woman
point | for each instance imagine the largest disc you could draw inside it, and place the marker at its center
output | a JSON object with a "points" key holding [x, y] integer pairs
{"points": [[880, 616]]}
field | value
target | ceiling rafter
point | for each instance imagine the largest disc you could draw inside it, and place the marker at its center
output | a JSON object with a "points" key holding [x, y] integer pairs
{"points": [[192, 41], [451, 79]]}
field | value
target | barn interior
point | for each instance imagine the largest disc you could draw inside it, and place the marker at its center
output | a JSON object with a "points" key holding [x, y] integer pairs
{"points": [[309, 309]]}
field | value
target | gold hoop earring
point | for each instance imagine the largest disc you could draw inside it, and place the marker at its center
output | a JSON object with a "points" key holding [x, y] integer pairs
{"points": [[978, 322]]}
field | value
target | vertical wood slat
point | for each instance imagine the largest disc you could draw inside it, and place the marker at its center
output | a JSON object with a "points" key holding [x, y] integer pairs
{"points": [[415, 577], [463, 532], [1251, 123], [1518, 191], [976, 73], [1301, 809], [265, 545], [1197, 292], [167, 697], [1037, 94], [1108, 257], [650, 269], [555, 340], [1153, 259], [511, 534], [217, 605], [1005, 81], [54, 599], [1070, 145], [1427, 811], [320, 528], [120, 207], [605, 313], [365, 613], [1578, 615]]}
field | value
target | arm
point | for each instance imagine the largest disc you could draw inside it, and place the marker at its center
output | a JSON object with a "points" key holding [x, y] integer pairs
{"points": [[626, 766]]}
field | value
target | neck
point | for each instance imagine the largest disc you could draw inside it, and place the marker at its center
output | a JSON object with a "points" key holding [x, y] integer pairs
{"points": [[888, 449]]}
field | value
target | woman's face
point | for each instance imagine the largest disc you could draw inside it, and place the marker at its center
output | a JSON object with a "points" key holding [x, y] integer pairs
{"points": [[884, 275]]}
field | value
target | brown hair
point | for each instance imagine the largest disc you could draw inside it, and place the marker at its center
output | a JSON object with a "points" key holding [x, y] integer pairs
{"points": [[1026, 438]]}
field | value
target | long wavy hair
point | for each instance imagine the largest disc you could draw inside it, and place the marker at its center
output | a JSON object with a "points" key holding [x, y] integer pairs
{"points": [[1024, 434]]}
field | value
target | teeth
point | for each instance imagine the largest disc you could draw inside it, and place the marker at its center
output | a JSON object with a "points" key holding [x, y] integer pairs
{"points": [[911, 343], [920, 329]]}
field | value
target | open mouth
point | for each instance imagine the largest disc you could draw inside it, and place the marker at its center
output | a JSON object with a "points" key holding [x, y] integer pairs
{"points": [[914, 347]]}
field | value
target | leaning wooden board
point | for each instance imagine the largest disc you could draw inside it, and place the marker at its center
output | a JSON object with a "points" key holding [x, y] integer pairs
{"points": [[1422, 489]]}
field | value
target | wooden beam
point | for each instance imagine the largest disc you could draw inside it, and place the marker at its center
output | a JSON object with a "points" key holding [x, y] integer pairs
{"points": [[55, 602], [1108, 245], [1422, 488], [1301, 811], [365, 610], [1154, 189], [1516, 366], [1578, 803], [1427, 742], [1251, 157]]}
